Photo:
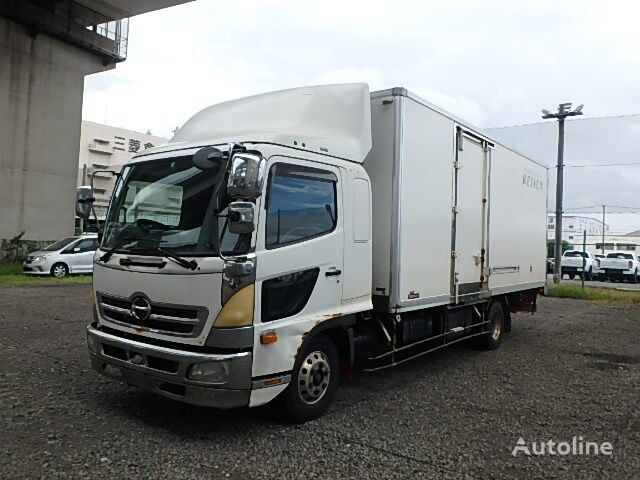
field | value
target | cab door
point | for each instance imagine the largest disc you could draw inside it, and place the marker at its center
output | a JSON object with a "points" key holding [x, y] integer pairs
{"points": [[299, 260]]}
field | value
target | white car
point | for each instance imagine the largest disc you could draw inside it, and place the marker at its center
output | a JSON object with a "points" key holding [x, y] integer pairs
{"points": [[572, 264], [621, 266], [69, 255]]}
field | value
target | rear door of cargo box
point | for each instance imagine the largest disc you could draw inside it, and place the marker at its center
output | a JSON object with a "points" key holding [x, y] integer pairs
{"points": [[469, 232]]}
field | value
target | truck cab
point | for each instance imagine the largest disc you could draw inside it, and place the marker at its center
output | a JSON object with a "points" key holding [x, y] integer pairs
{"points": [[219, 257]]}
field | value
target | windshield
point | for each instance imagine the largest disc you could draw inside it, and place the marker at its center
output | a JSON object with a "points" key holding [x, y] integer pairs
{"points": [[171, 204], [60, 244]]}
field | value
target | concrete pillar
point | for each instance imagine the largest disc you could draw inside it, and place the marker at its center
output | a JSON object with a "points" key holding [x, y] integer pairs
{"points": [[41, 88]]}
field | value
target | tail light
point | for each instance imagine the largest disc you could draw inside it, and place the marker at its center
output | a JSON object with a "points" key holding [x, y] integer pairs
{"points": [[630, 263]]}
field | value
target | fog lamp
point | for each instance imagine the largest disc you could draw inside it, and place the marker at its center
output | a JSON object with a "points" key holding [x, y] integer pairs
{"points": [[209, 372]]}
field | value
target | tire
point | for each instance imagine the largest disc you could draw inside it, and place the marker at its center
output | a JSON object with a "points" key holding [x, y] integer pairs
{"points": [[59, 270], [634, 277], [314, 380], [496, 316], [589, 276], [572, 276]]}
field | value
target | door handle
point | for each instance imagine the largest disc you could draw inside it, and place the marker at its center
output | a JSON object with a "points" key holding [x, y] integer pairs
{"points": [[332, 273]]}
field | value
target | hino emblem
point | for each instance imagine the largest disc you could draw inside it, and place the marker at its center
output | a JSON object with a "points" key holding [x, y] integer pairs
{"points": [[140, 308]]}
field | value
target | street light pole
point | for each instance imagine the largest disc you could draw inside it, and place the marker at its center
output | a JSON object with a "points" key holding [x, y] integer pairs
{"points": [[564, 111]]}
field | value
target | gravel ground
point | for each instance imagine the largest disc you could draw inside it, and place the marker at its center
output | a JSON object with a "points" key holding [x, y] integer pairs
{"points": [[573, 369]]}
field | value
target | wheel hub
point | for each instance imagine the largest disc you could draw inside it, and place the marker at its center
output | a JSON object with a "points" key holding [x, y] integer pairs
{"points": [[313, 377]]}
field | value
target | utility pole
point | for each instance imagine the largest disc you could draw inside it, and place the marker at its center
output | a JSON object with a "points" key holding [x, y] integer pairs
{"points": [[564, 111], [603, 208]]}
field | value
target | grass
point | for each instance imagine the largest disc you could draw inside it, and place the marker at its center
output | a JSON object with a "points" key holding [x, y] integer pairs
{"points": [[589, 293], [11, 274]]}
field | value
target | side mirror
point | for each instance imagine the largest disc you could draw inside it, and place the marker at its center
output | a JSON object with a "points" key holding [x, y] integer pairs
{"points": [[247, 175], [241, 217], [84, 202]]}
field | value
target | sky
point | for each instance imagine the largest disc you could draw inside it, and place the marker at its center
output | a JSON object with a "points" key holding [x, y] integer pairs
{"points": [[493, 63]]}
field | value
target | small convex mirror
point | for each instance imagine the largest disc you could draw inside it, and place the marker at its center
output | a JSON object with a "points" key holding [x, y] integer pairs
{"points": [[247, 175], [241, 217], [84, 201]]}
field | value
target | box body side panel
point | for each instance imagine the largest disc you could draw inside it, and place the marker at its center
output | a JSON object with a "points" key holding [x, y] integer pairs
{"points": [[517, 222], [379, 165]]}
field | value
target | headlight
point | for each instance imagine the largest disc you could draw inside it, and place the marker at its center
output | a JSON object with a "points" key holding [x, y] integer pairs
{"points": [[238, 311], [39, 259], [209, 372]]}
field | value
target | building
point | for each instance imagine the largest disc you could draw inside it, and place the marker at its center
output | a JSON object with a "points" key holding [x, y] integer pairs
{"points": [[46, 50], [573, 228], [103, 147]]}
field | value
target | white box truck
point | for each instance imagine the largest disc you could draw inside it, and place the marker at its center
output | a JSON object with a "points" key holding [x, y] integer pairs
{"points": [[280, 240]]}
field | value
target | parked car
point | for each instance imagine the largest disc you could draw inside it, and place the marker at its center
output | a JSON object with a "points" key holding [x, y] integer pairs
{"points": [[621, 266], [573, 262], [69, 255]]}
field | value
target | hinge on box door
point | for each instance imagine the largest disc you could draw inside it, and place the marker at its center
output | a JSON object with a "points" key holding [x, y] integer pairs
{"points": [[455, 209], [457, 165], [454, 254], [485, 146], [459, 139]]}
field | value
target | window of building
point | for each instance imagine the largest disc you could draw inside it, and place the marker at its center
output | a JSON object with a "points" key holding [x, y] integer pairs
{"points": [[301, 204]]}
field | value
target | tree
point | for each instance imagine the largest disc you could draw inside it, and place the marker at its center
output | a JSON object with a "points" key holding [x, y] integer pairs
{"points": [[551, 247]]}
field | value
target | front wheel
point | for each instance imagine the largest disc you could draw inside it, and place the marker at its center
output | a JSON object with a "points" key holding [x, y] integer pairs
{"points": [[59, 270], [496, 317], [572, 276], [314, 380]]}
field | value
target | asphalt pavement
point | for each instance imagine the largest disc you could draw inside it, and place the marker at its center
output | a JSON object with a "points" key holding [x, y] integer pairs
{"points": [[573, 369]]}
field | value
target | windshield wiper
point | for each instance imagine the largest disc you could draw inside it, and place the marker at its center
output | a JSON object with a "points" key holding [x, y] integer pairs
{"points": [[188, 264], [109, 253]]}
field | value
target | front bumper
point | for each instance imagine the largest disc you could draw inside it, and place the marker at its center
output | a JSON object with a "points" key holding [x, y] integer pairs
{"points": [[35, 269], [163, 370]]}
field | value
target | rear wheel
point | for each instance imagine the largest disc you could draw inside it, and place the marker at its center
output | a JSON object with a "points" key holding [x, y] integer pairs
{"points": [[314, 380], [634, 277], [59, 270], [496, 317], [572, 276]]}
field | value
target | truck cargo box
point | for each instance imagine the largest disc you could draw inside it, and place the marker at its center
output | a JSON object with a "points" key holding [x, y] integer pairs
{"points": [[457, 216]]}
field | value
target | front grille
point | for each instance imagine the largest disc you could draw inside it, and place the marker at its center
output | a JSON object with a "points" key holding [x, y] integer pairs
{"points": [[165, 318]]}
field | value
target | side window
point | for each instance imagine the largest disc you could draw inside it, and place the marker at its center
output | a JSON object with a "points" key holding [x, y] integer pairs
{"points": [[301, 204], [85, 245]]}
